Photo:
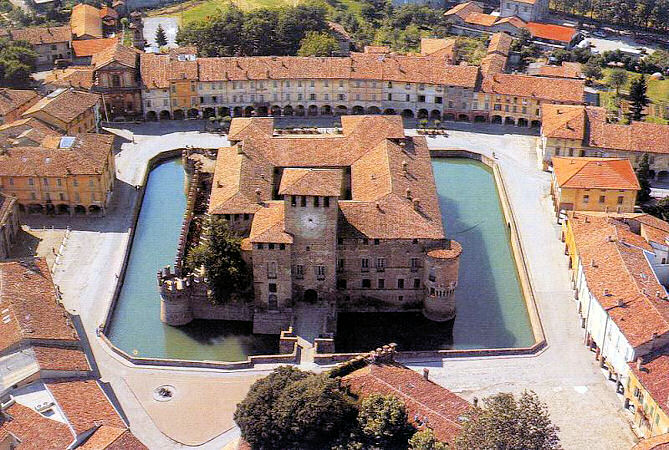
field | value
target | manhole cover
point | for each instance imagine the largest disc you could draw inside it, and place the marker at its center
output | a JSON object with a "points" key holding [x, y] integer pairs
{"points": [[164, 393]]}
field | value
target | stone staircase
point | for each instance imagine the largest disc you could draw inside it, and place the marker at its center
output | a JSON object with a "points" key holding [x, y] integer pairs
{"points": [[309, 321]]}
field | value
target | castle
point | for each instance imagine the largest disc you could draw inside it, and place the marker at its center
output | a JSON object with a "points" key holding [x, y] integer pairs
{"points": [[345, 219]]}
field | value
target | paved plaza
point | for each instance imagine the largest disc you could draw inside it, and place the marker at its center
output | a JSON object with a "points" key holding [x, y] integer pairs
{"points": [[564, 375]]}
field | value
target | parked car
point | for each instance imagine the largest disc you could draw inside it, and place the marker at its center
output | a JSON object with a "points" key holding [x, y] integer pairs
{"points": [[599, 34]]}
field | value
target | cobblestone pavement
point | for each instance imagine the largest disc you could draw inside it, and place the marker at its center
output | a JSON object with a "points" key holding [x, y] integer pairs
{"points": [[564, 374]]}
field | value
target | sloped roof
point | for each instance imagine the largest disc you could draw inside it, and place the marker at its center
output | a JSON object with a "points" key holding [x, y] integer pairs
{"points": [[320, 182], [117, 53], [85, 20], [42, 35], [595, 173], [65, 105], [112, 438], [89, 47], [566, 70], [551, 32], [464, 9], [81, 77], [553, 89], [654, 376], [434, 404], [563, 121], [61, 359], [500, 43], [269, 225], [12, 99], [484, 20], [660, 442], [36, 431]]}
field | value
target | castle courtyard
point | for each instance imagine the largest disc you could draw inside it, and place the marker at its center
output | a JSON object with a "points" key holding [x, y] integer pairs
{"points": [[564, 374]]}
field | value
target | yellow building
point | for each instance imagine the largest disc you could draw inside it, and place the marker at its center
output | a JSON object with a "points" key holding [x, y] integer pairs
{"points": [[648, 391], [68, 111], [593, 184], [63, 175]]}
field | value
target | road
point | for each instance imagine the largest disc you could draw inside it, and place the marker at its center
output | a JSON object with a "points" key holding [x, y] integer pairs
{"points": [[564, 375]]}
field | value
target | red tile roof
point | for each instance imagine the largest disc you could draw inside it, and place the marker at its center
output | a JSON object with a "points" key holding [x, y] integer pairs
{"points": [[595, 173], [81, 77], [566, 70], [551, 32], [35, 431], [112, 438], [660, 442], [89, 47], [29, 306], [320, 182], [117, 53], [654, 376], [66, 105], [85, 20], [423, 399], [484, 20], [539, 88], [61, 359], [464, 9], [42, 35], [12, 99], [84, 405]]}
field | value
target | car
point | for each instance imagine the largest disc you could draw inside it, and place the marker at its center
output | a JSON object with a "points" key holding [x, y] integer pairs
{"points": [[599, 34]]}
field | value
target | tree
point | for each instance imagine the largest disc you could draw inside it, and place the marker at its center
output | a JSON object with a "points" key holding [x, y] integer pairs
{"points": [[383, 421], [318, 44], [425, 440], [294, 409], [505, 422], [161, 38], [221, 257], [617, 79], [17, 61], [592, 71], [638, 98], [643, 175]]}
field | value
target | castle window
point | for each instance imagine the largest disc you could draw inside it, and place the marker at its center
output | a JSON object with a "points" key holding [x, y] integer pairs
{"points": [[366, 283], [341, 283], [432, 277], [293, 200], [365, 241], [432, 292], [226, 216], [320, 272], [381, 283], [400, 298], [414, 264], [272, 287], [282, 246], [416, 283], [415, 241], [299, 271], [270, 246], [400, 283], [602, 199], [364, 265], [246, 217], [272, 302], [340, 265], [271, 269], [316, 202], [303, 201], [380, 264], [340, 241], [326, 202], [376, 242], [620, 199], [259, 246]]}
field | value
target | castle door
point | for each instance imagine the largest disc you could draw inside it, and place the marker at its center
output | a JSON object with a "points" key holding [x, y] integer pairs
{"points": [[310, 296], [273, 304]]}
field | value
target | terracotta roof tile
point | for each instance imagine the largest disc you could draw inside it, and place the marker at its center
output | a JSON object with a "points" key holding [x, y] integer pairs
{"points": [[595, 173], [269, 226], [81, 77], [112, 438], [63, 359], [551, 32], [29, 305], [12, 99], [566, 70], [464, 9], [500, 43], [88, 155], [42, 35], [620, 277], [85, 20], [484, 20], [422, 398], [127, 441], [23, 131], [89, 47], [444, 48], [660, 442], [65, 105], [654, 376], [84, 405], [563, 121], [117, 53], [36, 431], [320, 182], [552, 89]]}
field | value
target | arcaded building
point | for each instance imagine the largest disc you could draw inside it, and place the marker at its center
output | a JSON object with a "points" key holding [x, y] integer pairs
{"points": [[350, 218]]}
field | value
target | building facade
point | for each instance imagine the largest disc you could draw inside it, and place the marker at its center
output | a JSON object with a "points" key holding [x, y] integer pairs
{"points": [[9, 224], [68, 111], [14, 102], [527, 10], [647, 392], [50, 43], [116, 79]]}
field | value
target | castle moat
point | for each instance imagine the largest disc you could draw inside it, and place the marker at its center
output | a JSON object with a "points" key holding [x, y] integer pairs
{"points": [[491, 308]]}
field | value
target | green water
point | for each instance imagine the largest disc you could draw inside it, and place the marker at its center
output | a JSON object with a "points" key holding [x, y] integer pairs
{"points": [[491, 309], [136, 327]]}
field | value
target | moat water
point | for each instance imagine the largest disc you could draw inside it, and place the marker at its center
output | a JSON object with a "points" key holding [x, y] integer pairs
{"points": [[491, 308]]}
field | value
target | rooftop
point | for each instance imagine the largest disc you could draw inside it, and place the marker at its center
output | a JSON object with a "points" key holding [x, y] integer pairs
{"points": [[71, 77], [464, 9], [89, 47], [551, 32], [42, 35], [320, 182], [654, 376], [85, 20], [554, 89], [595, 173], [566, 70], [12, 99], [117, 53], [425, 401], [64, 104]]}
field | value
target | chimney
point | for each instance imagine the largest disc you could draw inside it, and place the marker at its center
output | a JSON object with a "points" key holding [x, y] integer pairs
{"points": [[378, 206], [426, 373], [620, 303], [606, 292], [416, 204], [408, 193], [240, 149], [475, 400], [587, 219], [657, 294], [592, 263], [258, 193], [219, 184], [639, 362], [405, 167]]}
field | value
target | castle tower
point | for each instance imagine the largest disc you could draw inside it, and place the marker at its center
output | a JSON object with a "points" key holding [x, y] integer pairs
{"points": [[440, 280], [175, 297]]}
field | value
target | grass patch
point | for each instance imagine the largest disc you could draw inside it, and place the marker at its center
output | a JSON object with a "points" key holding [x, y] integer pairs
{"points": [[658, 90], [197, 10]]}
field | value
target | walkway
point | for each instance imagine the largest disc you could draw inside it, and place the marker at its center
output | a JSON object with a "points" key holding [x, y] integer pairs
{"points": [[580, 401], [309, 322]]}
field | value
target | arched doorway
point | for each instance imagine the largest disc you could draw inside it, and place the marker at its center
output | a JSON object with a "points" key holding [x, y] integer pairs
{"points": [[151, 116], [95, 210], [248, 111], [536, 124], [449, 116], [179, 114], [341, 110], [422, 114], [373, 110], [358, 110], [389, 112], [209, 112], [272, 302], [310, 296], [509, 121], [326, 110], [35, 208], [276, 110], [50, 208], [299, 111], [496, 119], [522, 122], [435, 114], [463, 118], [80, 210], [223, 111], [288, 111], [407, 113], [193, 113], [262, 111], [62, 209], [237, 111], [313, 110], [165, 115], [479, 119]]}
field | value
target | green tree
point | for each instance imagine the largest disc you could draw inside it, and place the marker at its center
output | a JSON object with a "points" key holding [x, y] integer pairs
{"points": [[425, 440], [221, 257], [617, 79], [592, 71], [504, 422], [643, 175], [383, 421], [638, 98], [318, 44], [17, 61], [294, 409], [161, 38]]}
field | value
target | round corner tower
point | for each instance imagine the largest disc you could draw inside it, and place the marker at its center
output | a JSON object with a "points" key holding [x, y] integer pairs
{"points": [[175, 299], [440, 281]]}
